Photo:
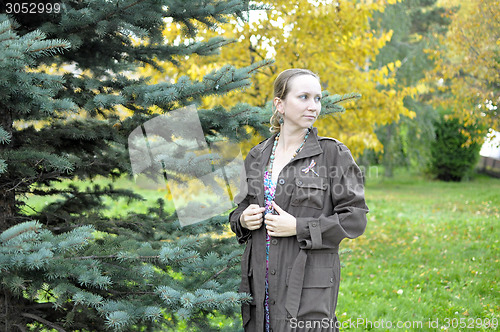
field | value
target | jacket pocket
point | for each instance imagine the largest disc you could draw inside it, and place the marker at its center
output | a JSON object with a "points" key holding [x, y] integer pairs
{"points": [[309, 191], [318, 291]]}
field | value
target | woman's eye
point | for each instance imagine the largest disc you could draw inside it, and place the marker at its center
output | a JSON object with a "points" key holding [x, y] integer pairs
{"points": [[303, 96], [318, 98]]}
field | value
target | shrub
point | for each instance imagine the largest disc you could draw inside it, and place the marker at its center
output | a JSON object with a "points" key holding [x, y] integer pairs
{"points": [[452, 157]]}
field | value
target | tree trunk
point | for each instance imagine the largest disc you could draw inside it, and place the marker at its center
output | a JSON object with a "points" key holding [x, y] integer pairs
{"points": [[389, 157], [10, 318], [7, 192], [7, 209]]}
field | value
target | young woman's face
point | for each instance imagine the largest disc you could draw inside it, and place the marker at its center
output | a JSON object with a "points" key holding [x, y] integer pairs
{"points": [[302, 104]]}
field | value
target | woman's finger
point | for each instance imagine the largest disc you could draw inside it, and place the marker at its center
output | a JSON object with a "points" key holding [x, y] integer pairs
{"points": [[255, 216], [254, 225], [259, 211], [255, 222]]}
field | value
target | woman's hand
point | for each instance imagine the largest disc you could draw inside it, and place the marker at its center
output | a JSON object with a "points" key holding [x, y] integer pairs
{"points": [[251, 217], [281, 224]]}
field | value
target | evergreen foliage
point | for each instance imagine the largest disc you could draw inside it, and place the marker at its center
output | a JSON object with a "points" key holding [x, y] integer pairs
{"points": [[415, 24], [66, 79], [452, 157]]}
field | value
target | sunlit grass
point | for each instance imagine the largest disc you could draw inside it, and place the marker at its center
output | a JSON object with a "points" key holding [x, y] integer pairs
{"points": [[430, 251], [113, 207]]}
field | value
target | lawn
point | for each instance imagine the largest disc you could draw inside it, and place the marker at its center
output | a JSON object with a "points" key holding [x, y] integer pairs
{"points": [[430, 254]]}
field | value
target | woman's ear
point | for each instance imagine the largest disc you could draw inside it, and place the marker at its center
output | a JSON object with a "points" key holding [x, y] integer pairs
{"points": [[278, 104]]}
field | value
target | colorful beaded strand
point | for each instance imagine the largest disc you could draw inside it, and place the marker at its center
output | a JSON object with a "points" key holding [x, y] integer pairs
{"points": [[269, 189]]}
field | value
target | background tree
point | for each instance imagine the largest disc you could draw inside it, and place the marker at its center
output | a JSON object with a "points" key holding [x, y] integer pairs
{"points": [[415, 25], [333, 39], [466, 78], [67, 107], [451, 159]]}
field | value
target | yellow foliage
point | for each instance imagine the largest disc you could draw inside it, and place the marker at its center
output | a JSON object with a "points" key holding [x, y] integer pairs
{"points": [[467, 68], [333, 39]]}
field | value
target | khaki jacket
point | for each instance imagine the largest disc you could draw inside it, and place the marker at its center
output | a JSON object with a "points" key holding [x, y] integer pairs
{"points": [[304, 270]]}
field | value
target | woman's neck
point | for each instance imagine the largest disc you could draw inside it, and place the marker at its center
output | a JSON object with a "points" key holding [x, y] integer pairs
{"points": [[291, 138]]}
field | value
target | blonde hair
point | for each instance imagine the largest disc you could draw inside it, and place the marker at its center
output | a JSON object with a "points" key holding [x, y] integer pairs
{"points": [[281, 89]]}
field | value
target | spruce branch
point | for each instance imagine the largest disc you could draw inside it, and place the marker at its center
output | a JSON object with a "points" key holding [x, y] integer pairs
{"points": [[331, 104], [3, 166], [43, 321], [5, 136], [127, 256], [17, 230], [47, 47], [347, 97], [25, 182], [216, 79], [110, 15], [5, 28], [115, 256], [227, 267], [20, 327]]}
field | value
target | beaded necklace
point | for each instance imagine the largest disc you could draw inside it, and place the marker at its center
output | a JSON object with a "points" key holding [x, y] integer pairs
{"points": [[269, 209], [274, 150]]}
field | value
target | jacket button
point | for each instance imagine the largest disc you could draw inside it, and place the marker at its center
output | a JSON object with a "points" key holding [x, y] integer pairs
{"points": [[331, 280], [273, 302], [313, 224], [273, 272], [281, 181], [299, 183], [274, 241]]}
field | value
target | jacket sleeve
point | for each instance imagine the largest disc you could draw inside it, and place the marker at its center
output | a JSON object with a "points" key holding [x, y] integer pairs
{"points": [[242, 200], [348, 218]]}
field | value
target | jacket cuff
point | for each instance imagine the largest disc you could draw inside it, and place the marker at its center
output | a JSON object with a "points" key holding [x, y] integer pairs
{"points": [[242, 234], [310, 231]]}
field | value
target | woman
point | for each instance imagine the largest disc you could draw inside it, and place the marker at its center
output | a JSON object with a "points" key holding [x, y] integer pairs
{"points": [[301, 195]]}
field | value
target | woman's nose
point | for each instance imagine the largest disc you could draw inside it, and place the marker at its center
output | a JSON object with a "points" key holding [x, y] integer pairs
{"points": [[312, 106]]}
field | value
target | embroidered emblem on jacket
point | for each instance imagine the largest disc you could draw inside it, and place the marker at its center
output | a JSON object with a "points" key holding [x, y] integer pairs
{"points": [[310, 168]]}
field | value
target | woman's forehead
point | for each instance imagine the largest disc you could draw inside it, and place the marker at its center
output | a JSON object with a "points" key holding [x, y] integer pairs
{"points": [[305, 83]]}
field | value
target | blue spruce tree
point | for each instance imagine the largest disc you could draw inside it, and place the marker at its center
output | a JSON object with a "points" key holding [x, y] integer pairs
{"points": [[67, 266]]}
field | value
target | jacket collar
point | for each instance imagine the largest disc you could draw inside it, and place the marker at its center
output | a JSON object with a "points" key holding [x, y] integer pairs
{"points": [[311, 147], [262, 152]]}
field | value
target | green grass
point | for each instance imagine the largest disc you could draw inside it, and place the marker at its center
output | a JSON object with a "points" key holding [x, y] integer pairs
{"points": [[430, 251], [113, 207]]}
